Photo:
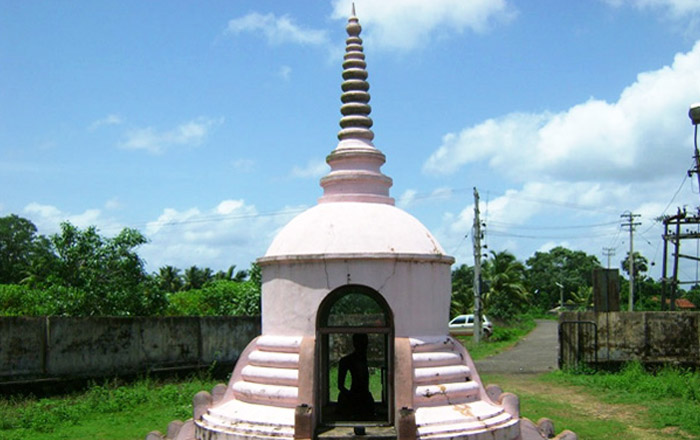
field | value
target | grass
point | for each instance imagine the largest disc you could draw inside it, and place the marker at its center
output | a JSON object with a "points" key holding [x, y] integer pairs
{"points": [[109, 411], [567, 408], [670, 396], [631, 404], [503, 338]]}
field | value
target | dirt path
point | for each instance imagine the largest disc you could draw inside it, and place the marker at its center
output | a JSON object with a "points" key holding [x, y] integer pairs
{"points": [[535, 353]]}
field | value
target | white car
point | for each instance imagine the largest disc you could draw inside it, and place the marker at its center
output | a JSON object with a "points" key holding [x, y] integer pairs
{"points": [[464, 325]]}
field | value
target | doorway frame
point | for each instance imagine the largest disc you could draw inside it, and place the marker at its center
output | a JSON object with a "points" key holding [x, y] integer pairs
{"points": [[323, 332]]}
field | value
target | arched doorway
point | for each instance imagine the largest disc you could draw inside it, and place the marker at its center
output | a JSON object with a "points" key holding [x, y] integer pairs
{"points": [[349, 315]]}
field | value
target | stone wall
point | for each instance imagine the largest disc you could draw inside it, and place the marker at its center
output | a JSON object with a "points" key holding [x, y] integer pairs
{"points": [[648, 337], [61, 347]]}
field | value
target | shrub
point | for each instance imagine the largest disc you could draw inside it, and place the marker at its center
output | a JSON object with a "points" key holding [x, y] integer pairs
{"points": [[218, 298]]}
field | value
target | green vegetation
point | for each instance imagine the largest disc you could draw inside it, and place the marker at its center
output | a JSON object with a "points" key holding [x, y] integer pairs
{"points": [[510, 288], [82, 273], [631, 404], [670, 396], [503, 337], [110, 411]]}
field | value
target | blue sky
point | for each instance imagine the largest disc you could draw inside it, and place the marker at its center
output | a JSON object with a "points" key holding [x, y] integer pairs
{"points": [[205, 125]]}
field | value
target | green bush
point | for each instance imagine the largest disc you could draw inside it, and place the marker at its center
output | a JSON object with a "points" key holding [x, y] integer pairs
{"points": [[18, 300], [218, 298], [672, 395]]}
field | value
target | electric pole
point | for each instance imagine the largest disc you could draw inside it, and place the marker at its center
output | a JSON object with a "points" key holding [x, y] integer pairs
{"points": [[476, 240], [631, 224], [608, 252]]}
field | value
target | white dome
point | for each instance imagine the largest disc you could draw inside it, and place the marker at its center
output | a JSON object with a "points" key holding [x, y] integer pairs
{"points": [[354, 228]]}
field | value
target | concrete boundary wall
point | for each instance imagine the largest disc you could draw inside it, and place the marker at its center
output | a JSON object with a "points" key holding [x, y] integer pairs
{"points": [[648, 337], [34, 348]]}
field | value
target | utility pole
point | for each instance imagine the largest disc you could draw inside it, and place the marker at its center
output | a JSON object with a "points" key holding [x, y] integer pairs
{"points": [[476, 240], [631, 224], [608, 252]]}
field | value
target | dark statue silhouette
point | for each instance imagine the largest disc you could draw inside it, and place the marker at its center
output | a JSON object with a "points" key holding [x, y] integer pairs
{"points": [[357, 402]]}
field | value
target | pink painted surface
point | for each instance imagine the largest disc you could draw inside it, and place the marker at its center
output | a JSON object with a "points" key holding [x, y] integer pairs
{"points": [[351, 227]]}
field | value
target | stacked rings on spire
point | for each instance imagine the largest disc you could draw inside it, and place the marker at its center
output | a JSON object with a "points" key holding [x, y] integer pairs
{"points": [[355, 123], [355, 163]]}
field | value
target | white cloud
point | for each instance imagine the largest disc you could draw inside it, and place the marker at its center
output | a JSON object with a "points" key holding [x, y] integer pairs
{"points": [[232, 232], [107, 120], [285, 73], [314, 168], [191, 133], [643, 136], [676, 8], [277, 30], [406, 199], [48, 219], [411, 197], [406, 24], [113, 204], [244, 165]]}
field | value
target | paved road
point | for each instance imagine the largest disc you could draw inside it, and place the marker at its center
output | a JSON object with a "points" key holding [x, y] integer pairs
{"points": [[535, 353]]}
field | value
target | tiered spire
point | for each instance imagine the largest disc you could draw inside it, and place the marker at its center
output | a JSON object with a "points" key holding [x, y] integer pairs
{"points": [[355, 163]]}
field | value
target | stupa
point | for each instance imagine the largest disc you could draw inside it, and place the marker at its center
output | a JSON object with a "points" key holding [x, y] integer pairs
{"points": [[354, 268]]}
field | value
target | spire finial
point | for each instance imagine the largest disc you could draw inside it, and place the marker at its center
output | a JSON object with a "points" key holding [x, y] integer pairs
{"points": [[355, 122], [355, 163]]}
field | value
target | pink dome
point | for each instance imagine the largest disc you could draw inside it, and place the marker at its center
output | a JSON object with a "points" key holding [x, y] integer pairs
{"points": [[354, 228]]}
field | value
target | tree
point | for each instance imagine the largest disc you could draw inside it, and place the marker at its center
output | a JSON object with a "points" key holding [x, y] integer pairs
{"points": [[169, 279], [24, 255], [196, 278], [640, 263], [571, 269], [506, 295], [107, 270], [462, 300], [231, 275]]}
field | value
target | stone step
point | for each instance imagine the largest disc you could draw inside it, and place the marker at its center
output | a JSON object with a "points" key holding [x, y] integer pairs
{"points": [[271, 375], [446, 394], [285, 344], [274, 359], [264, 394], [441, 374], [442, 343], [436, 359]]}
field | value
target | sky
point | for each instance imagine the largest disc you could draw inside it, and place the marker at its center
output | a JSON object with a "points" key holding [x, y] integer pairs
{"points": [[205, 125]]}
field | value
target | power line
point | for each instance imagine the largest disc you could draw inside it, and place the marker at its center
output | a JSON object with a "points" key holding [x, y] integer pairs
{"points": [[549, 237], [552, 227]]}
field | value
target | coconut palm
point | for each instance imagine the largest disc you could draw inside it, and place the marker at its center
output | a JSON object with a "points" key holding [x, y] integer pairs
{"points": [[196, 278], [169, 279], [505, 294]]}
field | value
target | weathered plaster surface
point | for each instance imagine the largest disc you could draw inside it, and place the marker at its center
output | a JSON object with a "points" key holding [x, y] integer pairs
{"points": [[418, 293]]}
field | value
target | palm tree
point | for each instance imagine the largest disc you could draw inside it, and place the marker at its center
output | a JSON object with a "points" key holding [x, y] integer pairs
{"points": [[169, 279], [231, 275], [196, 278], [462, 300], [504, 276]]}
